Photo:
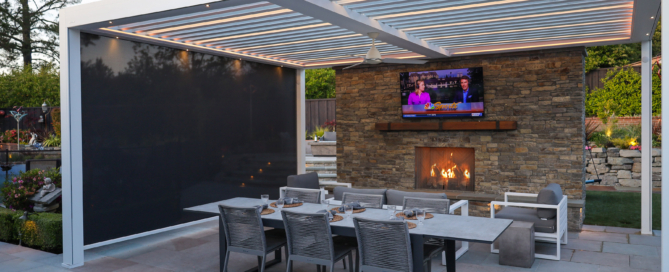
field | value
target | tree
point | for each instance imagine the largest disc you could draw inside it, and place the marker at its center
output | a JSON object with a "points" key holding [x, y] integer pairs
{"points": [[29, 30], [620, 54], [320, 83]]}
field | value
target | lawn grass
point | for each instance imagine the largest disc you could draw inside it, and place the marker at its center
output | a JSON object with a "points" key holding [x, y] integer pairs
{"points": [[618, 209]]}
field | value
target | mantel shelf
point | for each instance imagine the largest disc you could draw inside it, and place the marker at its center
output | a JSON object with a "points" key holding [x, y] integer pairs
{"points": [[445, 126]]}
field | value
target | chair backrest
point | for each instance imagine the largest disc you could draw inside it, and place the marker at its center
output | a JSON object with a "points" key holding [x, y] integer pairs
{"points": [[367, 201], [383, 244], [432, 205], [243, 228], [340, 190], [306, 181], [306, 195], [308, 235]]}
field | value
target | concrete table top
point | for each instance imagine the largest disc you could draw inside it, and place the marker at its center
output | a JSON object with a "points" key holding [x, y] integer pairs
{"points": [[453, 227]]}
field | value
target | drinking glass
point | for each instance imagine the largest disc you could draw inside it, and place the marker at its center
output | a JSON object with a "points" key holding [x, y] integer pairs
{"points": [[348, 209], [265, 198], [279, 203], [391, 210], [325, 203], [420, 215]]}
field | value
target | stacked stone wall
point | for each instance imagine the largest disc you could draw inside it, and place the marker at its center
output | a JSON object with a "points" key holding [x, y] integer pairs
{"points": [[621, 167]]}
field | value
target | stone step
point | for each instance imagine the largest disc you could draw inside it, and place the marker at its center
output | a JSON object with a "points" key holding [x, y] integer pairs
{"points": [[321, 168], [320, 176]]}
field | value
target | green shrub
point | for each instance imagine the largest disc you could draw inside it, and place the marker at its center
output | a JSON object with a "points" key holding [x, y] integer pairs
{"points": [[52, 141], [599, 138], [622, 94], [19, 189], [43, 231], [30, 87]]}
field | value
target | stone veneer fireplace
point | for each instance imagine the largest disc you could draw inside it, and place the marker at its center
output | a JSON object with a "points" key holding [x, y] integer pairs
{"points": [[543, 91], [446, 168]]}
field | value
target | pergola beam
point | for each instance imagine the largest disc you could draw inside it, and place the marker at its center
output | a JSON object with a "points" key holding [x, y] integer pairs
{"points": [[338, 15]]}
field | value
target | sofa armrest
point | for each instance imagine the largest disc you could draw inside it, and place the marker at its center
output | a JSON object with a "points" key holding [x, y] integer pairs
{"points": [[463, 205], [507, 194]]}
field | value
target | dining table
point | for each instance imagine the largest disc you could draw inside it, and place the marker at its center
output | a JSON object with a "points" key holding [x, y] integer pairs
{"points": [[450, 228]]}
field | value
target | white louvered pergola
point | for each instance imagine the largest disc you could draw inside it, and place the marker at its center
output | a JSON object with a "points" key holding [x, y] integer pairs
{"points": [[304, 34]]}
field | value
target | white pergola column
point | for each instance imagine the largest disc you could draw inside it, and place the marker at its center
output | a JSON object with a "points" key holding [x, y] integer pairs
{"points": [[301, 121], [646, 138], [72, 160], [665, 149]]}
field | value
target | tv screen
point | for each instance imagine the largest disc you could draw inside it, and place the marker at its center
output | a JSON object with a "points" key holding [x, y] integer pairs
{"points": [[442, 93]]}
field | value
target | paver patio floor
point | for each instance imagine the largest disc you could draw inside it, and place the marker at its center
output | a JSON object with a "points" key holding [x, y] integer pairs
{"points": [[195, 248]]}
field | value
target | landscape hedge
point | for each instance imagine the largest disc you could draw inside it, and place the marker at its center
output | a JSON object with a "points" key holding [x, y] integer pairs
{"points": [[43, 231]]}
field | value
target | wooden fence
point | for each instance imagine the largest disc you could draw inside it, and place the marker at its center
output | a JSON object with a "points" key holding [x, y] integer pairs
{"points": [[593, 79], [319, 111], [30, 122]]}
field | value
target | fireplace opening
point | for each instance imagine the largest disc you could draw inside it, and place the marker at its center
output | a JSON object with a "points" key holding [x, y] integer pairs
{"points": [[447, 168]]}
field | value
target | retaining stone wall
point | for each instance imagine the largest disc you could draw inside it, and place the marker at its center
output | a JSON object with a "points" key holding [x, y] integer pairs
{"points": [[621, 167]]}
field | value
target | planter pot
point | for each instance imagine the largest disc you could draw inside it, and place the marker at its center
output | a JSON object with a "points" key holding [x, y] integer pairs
{"points": [[323, 148]]}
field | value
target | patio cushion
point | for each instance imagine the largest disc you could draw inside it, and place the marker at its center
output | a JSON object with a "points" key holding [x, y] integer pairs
{"points": [[395, 197], [527, 215], [550, 195], [339, 192], [306, 181]]}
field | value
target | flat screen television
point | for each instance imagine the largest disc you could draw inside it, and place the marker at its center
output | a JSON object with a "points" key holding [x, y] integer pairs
{"points": [[442, 93]]}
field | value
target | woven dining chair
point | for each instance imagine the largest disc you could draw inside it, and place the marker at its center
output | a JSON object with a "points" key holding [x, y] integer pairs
{"points": [[310, 240], [306, 195], [431, 205], [385, 245], [367, 201], [244, 233]]}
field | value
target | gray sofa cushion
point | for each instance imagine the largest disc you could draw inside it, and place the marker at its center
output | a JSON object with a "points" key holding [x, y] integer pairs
{"points": [[527, 215], [551, 195], [339, 192], [395, 197], [307, 181]]}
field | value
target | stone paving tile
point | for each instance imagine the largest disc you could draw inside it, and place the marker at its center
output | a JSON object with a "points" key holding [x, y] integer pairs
{"points": [[11, 248], [603, 236], [18, 264], [588, 245], [466, 267], [628, 249], [47, 268], [555, 266], [646, 240], [162, 258], [143, 268], [657, 232], [623, 230], [6, 257], [33, 254], [603, 268], [105, 264], [182, 243], [493, 261], [572, 235], [642, 262], [593, 228], [598, 258]]}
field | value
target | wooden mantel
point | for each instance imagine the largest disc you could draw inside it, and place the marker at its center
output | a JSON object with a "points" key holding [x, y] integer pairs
{"points": [[473, 125]]}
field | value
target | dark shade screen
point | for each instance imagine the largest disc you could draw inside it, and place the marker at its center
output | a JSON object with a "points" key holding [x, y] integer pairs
{"points": [[166, 129]]}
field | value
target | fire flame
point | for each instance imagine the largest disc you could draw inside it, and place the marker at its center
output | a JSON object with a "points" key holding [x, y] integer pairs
{"points": [[448, 173], [432, 172], [466, 173]]}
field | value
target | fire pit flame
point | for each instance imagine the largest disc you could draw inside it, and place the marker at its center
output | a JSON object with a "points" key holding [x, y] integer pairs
{"points": [[466, 173]]}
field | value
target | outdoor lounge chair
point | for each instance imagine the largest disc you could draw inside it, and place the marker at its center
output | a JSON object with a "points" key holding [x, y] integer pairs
{"points": [[549, 215]]}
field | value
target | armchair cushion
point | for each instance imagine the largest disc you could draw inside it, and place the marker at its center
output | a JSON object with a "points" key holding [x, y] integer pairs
{"points": [[395, 197], [527, 215], [339, 192], [551, 195], [306, 181]]}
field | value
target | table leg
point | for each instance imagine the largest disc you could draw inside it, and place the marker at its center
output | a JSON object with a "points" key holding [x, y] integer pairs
{"points": [[417, 245], [450, 255]]}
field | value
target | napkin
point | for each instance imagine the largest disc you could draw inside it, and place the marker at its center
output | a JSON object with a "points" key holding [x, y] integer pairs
{"points": [[356, 205], [331, 213], [410, 213]]}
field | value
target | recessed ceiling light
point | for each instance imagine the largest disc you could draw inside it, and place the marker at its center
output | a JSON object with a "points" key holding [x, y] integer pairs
{"points": [[647, 34], [117, 37], [110, 22], [186, 49], [207, 5], [652, 17]]}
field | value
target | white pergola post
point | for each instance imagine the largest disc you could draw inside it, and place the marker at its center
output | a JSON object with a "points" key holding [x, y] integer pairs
{"points": [[301, 121], [72, 160], [665, 149], [646, 138]]}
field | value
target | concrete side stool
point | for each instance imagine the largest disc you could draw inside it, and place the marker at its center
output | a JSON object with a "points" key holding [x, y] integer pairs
{"points": [[516, 245]]}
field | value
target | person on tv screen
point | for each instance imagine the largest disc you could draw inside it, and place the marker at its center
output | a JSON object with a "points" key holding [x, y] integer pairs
{"points": [[419, 97], [467, 95]]}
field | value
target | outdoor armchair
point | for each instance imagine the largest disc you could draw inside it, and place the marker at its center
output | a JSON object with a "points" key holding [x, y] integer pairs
{"points": [[549, 216], [306, 195]]}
